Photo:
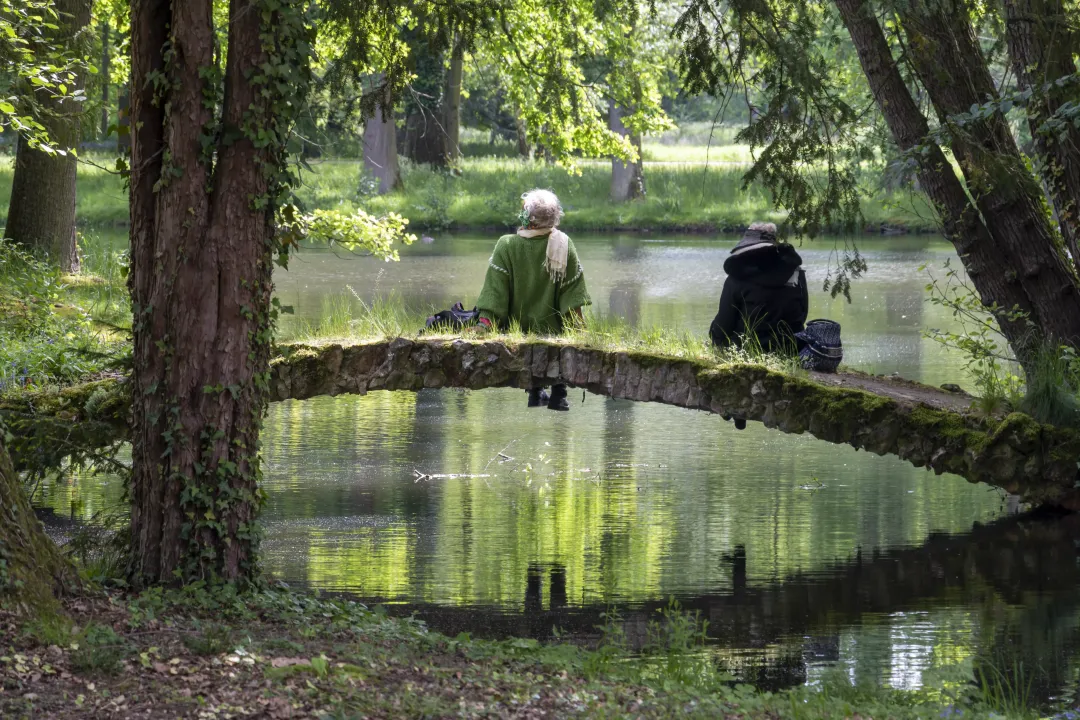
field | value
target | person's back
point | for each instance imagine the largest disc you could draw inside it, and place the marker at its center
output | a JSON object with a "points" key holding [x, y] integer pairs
{"points": [[518, 289], [764, 295], [534, 278]]}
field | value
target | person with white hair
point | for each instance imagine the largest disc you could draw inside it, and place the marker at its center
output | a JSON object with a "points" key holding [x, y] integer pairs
{"points": [[765, 294], [534, 278]]}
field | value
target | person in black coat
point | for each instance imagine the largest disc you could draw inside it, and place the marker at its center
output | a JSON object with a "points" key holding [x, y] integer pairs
{"points": [[764, 294]]}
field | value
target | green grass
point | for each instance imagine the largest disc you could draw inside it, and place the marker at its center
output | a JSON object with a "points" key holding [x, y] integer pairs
{"points": [[486, 194], [683, 192], [59, 328], [102, 200], [348, 319]]}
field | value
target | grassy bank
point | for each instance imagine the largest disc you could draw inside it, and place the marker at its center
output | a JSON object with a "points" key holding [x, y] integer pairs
{"points": [[682, 195], [282, 654], [56, 327], [347, 319]]}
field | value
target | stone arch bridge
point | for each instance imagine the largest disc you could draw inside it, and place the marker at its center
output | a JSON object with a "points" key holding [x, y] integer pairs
{"points": [[925, 426]]}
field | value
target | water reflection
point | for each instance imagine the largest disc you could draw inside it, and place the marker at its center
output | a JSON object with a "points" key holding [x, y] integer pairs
{"points": [[802, 555]]}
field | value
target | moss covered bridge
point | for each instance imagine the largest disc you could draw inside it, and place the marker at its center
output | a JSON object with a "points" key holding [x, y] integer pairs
{"points": [[925, 426]]}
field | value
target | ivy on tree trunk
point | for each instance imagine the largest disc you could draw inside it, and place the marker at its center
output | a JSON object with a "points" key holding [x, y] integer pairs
{"points": [[204, 190]]}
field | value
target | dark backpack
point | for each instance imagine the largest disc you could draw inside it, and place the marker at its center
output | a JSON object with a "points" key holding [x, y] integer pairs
{"points": [[456, 318], [819, 346]]}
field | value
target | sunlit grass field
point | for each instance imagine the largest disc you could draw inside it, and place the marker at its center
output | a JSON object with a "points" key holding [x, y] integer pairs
{"points": [[693, 179]]}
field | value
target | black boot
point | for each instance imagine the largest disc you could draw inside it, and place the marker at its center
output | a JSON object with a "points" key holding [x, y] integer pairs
{"points": [[558, 399], [537, 397], [740, 423]]}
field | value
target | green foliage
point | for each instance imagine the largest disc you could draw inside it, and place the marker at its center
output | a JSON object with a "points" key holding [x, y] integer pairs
{"points": [[34, 66], [358, 232], [346, 660], [807, 132], [101, 546], [1049, 391], [987, 357], [29, 292], [1006, 691]]}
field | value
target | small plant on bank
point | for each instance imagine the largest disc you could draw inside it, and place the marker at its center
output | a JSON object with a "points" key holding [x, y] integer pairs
{"points": [[987, 358], [98, 649], [1050, 390], [212, 639]]}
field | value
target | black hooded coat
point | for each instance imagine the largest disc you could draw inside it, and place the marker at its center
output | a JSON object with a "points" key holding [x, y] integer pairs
{"points": [[765, 293]]}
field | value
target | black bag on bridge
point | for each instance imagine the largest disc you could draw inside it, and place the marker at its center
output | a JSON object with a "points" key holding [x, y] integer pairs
{"points": [[819, 346], [456, 318]]}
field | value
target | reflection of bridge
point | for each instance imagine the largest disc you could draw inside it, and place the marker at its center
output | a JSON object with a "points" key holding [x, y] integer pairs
{"points": [[1025, 569], [925, 426]]}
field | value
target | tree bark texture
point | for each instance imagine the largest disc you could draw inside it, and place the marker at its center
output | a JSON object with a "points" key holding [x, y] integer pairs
{"points": [[380, 149], [41, 215], [946, 56], [1041, 43], [989, 269], [425, 135], [201, 280], [32, 569], [452, 105], [627, 179], [522, 133]]}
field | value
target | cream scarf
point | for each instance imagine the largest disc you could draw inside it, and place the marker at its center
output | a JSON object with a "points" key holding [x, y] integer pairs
{"points": [[558, 249]]}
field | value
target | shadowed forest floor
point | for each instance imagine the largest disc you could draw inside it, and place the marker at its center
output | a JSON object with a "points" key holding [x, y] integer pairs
{"points": [[280, 654]]}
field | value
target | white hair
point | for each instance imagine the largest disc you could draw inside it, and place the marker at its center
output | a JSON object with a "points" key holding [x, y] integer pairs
{"points": [[543, 208], [763, 227]]}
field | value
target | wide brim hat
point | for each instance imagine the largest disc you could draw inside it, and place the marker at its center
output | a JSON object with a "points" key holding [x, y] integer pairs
{"points": [[755, 238]]}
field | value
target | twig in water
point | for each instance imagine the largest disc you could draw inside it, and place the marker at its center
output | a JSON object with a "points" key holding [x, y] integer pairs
{"points": [[501, 454], [419, 476]]}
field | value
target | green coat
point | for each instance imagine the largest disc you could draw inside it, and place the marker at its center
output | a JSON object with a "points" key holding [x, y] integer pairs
{"points": [[517, 287]]}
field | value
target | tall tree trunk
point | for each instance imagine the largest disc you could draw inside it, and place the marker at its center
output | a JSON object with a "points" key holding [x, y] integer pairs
{"points": [[425, 136], [106, 53], [946, 56], [627, 179], [380, 149], [989, 269], [452, 105], [41, 214], [32, 569], [1041, 43], [201, 279], [522, 133]]}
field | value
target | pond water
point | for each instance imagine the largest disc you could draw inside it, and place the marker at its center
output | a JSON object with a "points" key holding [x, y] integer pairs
{"points": [[805, 557]]}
